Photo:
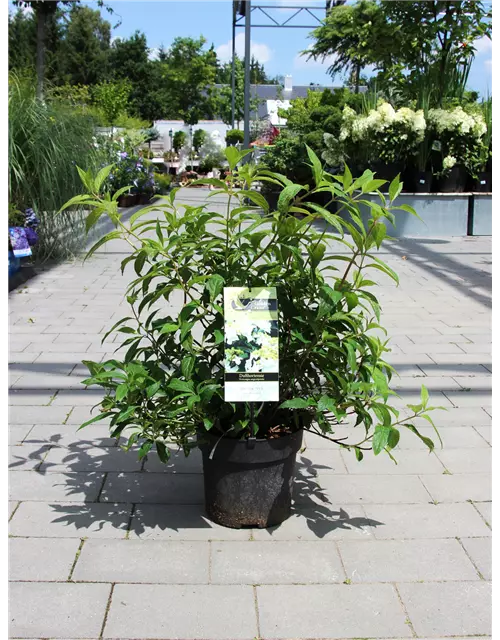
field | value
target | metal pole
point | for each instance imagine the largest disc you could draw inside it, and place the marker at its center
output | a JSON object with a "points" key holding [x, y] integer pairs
{"points": [[248, 12], [233, 76]]}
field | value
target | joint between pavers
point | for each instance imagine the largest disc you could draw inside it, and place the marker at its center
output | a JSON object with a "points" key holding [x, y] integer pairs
{"points": [[98, 497], [480, 514], [403, 606], [433, 500], [52, 398], [129, 523], [481, 436], [256, 603], [341, 561], [470, 558], [15, 509], [65, 421], [108, 606], [77, 555]]}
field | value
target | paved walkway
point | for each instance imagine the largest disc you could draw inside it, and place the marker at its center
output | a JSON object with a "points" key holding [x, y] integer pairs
{"points": [[103, 546]]}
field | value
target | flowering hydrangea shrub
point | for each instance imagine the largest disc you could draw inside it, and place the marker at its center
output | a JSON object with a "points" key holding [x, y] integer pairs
{"points": [[391, 134], [460, 136]]}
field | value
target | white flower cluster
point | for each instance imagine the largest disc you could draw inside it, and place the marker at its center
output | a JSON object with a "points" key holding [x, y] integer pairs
{"points": [[449, 162], [457, 120], [382, 120]]}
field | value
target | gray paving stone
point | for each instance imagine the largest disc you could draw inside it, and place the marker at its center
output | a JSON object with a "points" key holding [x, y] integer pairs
{"points": [[156, 488], [178, 462], [150, 561], [179, 522], [70, 520], [330, 611], [57, 487], [49, 610], [190, 612], [39, 559], [466, 460], [479, 549], [455, 417], [27, 397], [95, 435], [459, 487], [37, 415], [377, 489], [325, 461], [321, 522], [77, 395], [100, 459], [426, 521], [18, 433], [448, 608], [26, 456], [79, 415], [479, 383], [408, 462], [276, 563], [405, 560], [46, 382], [474, 398]]}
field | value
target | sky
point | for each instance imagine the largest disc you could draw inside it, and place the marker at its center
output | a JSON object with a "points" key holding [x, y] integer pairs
{"points": [[278, 49]]}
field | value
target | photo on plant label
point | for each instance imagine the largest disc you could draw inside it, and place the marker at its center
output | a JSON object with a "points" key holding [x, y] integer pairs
{"points": [[251, 347]]}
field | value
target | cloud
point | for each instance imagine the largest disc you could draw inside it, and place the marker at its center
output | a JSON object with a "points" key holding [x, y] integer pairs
{"points": [[488, 64], [258, 50], [483, 45], [301, 62]]}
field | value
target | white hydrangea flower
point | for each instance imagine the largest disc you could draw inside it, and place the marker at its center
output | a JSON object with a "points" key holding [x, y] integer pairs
{"points": [[449, 162]]}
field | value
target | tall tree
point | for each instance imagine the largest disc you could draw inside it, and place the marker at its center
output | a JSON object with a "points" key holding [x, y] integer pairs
{"points": [[45, 12], [22, 40], [189, 71], [85, 47], [355, 36]]}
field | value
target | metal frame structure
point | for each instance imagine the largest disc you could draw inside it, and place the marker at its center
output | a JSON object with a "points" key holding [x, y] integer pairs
{"points": [[243, 9]]}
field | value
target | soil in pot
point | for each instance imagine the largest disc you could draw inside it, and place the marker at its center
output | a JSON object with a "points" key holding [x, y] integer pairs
{"points": [[248, 483], [454, 181]]}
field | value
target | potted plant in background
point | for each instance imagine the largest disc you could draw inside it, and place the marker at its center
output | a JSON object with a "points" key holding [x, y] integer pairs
{"points": [[482, 170], [179, 141], [168, 389], [234, 136], [458, 137]]}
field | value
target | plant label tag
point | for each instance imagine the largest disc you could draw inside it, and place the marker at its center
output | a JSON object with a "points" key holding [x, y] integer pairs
{"points": [[482, 182], [19, 242], [251, 344], [422, 181]]}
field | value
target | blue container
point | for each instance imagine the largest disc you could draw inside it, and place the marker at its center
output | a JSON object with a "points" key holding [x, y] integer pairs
{"points": [[14, 264]]}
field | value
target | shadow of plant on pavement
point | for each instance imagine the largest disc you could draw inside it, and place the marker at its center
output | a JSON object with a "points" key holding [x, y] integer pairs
{"points": [[101, 485]]}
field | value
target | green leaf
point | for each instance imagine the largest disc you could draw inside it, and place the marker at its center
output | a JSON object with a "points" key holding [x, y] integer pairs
{"points": [[162, 451], [169, 327], [287, 195], [121, 392], [296, 403], [359, 454], [316, 166], [215, 284], [101, 177], [145, 449], [258, 199], [380, 438], [347, 178], [327, 404], [395, 188], [181, 385], [100, 416], [372, 185], [424, 396], [113, 235], [379, 232], [187, 366], [92, 218]]}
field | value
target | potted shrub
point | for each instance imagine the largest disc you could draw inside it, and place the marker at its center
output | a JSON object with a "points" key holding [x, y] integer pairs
{"points": [[458, 138], [234, 136], [168, 389]]}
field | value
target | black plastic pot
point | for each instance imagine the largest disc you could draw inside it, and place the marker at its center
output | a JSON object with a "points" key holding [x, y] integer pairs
{"points": [[421, 181], [483, 182], [249, 482], [454, 182], [387, 170]]}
